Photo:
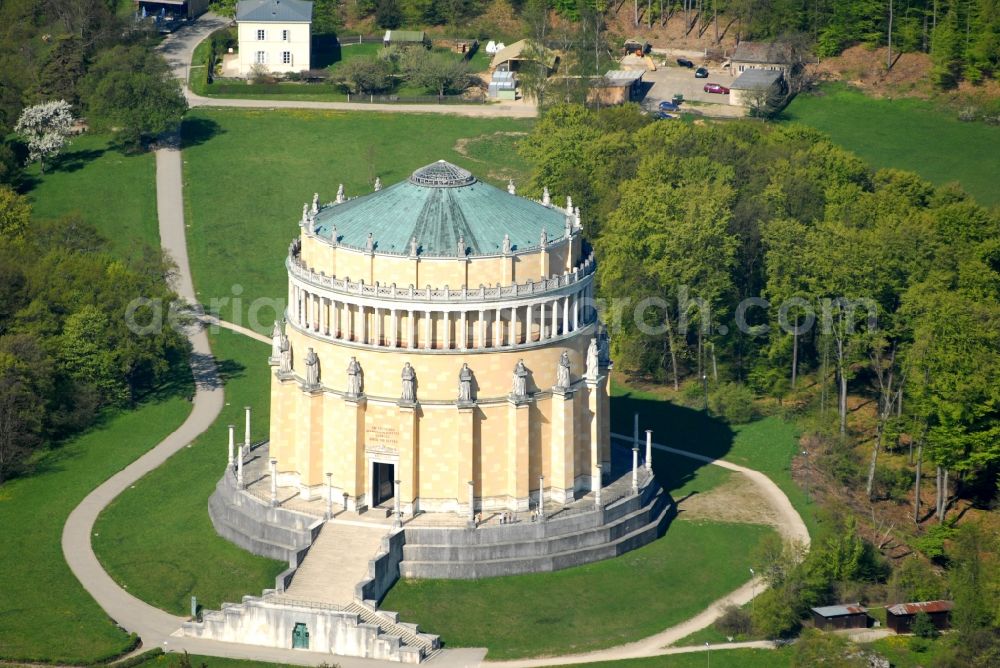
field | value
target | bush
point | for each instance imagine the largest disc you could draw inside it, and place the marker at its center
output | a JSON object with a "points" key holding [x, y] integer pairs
{"points": [[923, 626], [932, 542], [733, 402], [735, 621], [892, 483]]}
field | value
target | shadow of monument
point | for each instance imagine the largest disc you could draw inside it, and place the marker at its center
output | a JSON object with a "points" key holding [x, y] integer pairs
{"points": [[676, 427]]}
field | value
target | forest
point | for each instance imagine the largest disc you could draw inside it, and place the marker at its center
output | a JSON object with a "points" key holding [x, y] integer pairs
{"points": [[762, 269]]}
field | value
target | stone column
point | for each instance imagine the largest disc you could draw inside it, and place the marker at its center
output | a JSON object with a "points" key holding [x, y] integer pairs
{"points": [[512, 334], [465, 330], [649, 449], [239, 470], [598, 486], [518, 452], [335, 315], [482, 329], [565, 315], [409, 446], [232, 443], [472, 505], [635, 470], [352, 433], [464, 445], [411, 324], [329, 495], [274, 481], [528, 335], [563, 446], [541, 497], [398, 521], [395, 328], [247, 427], [498, 329], [596, 428], [428, 331], [446, 324], [379, 329], [576, 311], [363, 315], [541, 322], [305, 309]]}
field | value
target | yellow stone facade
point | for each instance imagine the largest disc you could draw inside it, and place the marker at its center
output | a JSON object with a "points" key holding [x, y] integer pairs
{"points": [[365, 443]]}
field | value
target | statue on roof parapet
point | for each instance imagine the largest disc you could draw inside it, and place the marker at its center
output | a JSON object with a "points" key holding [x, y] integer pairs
{"points": [[340, 194], [510, 187], [378, 184], [315, 205], [546, 198]]}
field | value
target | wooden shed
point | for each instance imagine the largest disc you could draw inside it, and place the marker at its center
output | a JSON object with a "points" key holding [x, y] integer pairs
{"points": [[900, 617], [844, 616]]}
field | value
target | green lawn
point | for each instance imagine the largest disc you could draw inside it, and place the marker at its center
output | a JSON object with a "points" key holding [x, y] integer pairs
{"points": [[907, 134], [899, 652], [247, 174], [766, 445], [735, 658], [588, 607], [115, 193], [157, 539], [45, 613]]}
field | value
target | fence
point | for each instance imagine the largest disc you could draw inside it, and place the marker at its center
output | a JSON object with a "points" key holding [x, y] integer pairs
{"points": [[416, 99], [344, 40]]}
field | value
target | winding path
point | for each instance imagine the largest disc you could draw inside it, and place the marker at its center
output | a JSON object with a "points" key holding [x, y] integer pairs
{"points": [[156, 627]]}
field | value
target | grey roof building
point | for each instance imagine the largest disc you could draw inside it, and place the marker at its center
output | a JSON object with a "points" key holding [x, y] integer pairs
{"points": [[281, 11]]}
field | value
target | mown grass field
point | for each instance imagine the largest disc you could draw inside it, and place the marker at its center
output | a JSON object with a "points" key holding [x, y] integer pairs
{"points": [[45, 613], [157, 539], [907, 134], [114, 192], [588, 607], [247, 174]]}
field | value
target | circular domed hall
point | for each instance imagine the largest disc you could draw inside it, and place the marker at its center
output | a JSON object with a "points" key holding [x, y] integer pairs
{"points": [[440, 332]]}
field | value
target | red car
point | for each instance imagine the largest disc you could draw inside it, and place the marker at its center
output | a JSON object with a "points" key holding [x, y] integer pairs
{"points": [[716, 88]]}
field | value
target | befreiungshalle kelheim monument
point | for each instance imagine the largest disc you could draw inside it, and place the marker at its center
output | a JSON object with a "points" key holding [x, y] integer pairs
{"points": [[439, 408]]}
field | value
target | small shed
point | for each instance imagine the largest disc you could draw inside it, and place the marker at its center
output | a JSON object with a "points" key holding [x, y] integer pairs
{"points": [[512, 58], [637, 46], [844, 616], [900, 617], [404, 37], [748, 86], [177, 9], [617, 87], [762, 56]]}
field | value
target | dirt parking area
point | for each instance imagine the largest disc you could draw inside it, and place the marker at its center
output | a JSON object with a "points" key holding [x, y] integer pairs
{"points": [[669, 80]]}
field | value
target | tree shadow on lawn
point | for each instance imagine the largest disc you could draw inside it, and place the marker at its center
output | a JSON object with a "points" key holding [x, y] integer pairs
{"points": [[325, 51], [676, 427], [73, 161], [197, 131]]}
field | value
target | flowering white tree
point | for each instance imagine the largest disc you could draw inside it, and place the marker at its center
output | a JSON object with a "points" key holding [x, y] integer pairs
{"points": [[45, 127]]}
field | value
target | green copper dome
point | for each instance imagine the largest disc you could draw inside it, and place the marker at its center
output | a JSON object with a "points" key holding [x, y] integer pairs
{"points": [[439, 205]]}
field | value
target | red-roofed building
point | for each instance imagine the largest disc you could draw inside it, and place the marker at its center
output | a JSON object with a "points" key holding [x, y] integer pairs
{"points": [[900, 617]]}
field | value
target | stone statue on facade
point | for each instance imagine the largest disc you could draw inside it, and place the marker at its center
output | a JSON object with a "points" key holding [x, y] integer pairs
{"points": [[409, 394], [413, 247], [562, 373], [312, 368], [603, 346], [353, 378], [276, 336], [315, 206], [546, 198], [506, 244], [370, 243], [285, 355], [520, 384], [340, 194], [592, 360], [569, 203], [569, 225], [460, 249], [334, 237], [305, 212], [378, 184], [465, 384], [544, 241], [576, 217]]}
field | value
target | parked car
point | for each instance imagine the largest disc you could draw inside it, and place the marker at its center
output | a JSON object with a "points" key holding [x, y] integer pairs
{"points": [[660, 116], [668, 106], [716, 88], [701, 73], [684, 62]]}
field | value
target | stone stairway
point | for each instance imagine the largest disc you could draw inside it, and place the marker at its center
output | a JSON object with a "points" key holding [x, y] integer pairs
{"points": [[336, 563], [388, 624]]}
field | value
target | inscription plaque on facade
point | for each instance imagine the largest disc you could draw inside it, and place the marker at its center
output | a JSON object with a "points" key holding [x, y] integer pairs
{"points": [[379, 438]]}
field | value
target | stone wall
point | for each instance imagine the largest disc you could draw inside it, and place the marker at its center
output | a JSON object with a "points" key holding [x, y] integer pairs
{"points": [[383, 570]]}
